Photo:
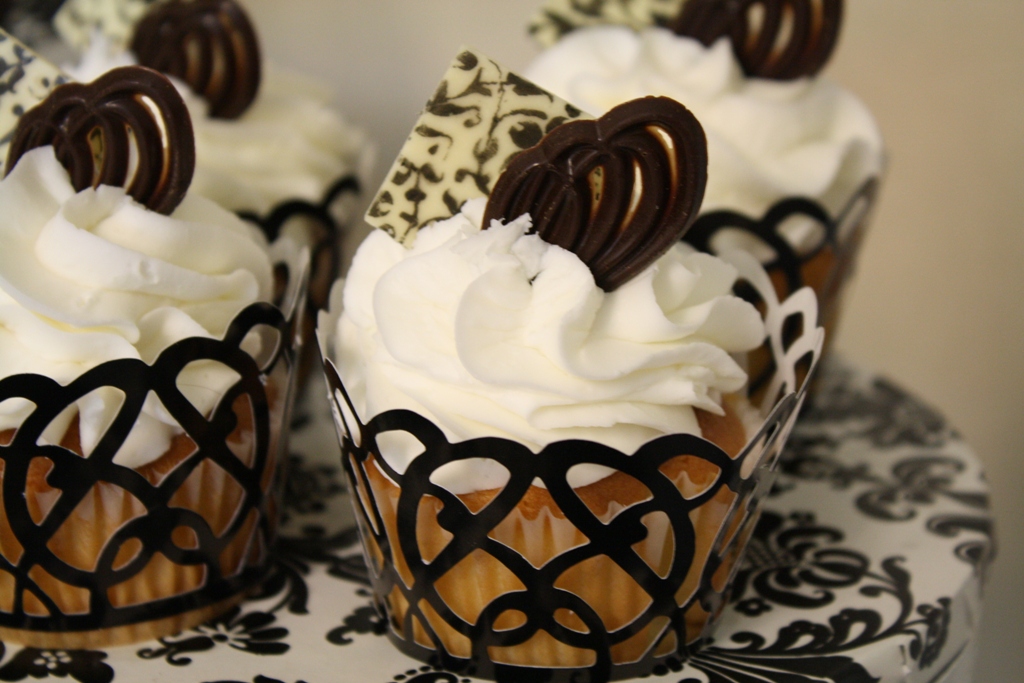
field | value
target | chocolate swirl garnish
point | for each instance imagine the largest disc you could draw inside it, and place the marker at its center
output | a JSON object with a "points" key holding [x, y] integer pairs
{"points": [[209, 44], [618, 191], [92, 127], [778, 39]]}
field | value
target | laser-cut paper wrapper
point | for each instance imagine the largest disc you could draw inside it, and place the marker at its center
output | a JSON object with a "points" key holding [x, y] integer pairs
{"points": [[94, 553], [588, 588]]}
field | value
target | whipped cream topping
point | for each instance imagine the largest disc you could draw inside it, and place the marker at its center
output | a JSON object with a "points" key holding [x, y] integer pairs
{"points": [[767, 140], [93, 276], [290, 144], [498, 333]]}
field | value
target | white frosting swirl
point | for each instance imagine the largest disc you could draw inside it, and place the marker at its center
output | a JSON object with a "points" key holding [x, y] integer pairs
{"points": [[766, 139], [289, 144], [499, 333], [94, 276]]}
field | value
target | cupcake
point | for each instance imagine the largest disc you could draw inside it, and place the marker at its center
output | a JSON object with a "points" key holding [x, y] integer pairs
{"points": [[554, 453], [794, 159], [269, 145], [146, 375]]}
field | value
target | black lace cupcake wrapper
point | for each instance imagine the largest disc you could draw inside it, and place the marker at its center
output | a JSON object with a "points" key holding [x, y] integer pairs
{"points": [[325, 255], [825, 265], [412, 578], [48, 585], [325, 225]]}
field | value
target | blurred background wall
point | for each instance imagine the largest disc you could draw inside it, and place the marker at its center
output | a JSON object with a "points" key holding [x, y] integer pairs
{"points": [[937, 303]]}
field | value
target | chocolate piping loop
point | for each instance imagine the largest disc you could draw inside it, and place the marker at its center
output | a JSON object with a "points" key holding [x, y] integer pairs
{"points": [[621, 226], [209, 44], [813, 31], [603, 225], [653, 196], [124, 101]]}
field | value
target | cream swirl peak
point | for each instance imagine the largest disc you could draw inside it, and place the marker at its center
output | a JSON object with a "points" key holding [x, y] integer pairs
{"points": [[93, 276], [290, 144], [209, 44], [766, 139], [498, 333]]}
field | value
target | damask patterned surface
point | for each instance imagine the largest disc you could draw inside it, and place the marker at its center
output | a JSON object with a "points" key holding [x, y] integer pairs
{"points": [[867, 566], [78, 20]]}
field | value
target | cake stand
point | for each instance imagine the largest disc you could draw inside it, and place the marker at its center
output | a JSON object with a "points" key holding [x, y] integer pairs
{"points": [[867, 565]]}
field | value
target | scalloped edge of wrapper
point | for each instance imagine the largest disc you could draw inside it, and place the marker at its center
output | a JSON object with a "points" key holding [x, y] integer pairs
{"points": [[26, 79]]}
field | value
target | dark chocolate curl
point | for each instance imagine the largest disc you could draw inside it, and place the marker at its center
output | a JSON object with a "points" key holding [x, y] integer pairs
{"points": [[706, 20], [618, 191], [778, 39], [209, 44], [93, 125]]}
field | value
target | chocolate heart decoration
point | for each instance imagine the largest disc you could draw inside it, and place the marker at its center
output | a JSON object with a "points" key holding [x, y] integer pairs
{"points": [[617, 191], [777, 39], [706, 20], [209, 44], [92, 127]]}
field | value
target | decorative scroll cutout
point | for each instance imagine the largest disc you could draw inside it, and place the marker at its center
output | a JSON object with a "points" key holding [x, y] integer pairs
{"points": [[93, 126], [25, 81], [778, 39], [825, 267], [480, 116], [617, 192], [171, 525], [326, 230], [679, 611], [329, 231], [209, 44]]}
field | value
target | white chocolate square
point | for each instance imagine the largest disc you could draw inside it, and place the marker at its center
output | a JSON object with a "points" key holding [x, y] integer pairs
{"points": [[25, 81], [480, 116], [558, 17]]}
